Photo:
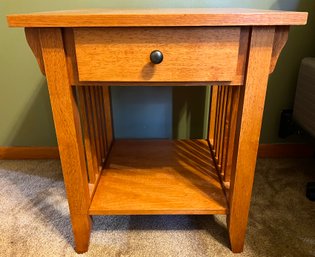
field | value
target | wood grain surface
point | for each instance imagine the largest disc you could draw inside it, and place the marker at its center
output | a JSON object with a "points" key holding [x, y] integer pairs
{"points": [[108, 116], [157, 17], [69, 134], [212, 113], [232, 133], [248, 132], [123, 54], [32, 37], [159, 177]]}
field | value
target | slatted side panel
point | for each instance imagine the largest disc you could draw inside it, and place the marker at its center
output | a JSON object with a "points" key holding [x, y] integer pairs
{"points": [[88, 133], [95, 112], [224, 105]]}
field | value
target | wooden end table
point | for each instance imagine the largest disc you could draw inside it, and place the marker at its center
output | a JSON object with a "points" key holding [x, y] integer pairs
{"points": [[84, 52]]}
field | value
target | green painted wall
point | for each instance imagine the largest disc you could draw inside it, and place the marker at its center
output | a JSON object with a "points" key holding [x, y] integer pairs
{"points": [[25, 116]]}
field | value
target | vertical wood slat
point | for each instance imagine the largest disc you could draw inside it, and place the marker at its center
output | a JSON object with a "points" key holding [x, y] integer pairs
{"points": [[234, 106], [212, 112], [108, 115], [216, 130], [227, 123], [96, 128], [102, 121], [99, 125], [220, 121], [218, 124], [92, 130], [216, 121], [69, 134], [88, 137], [223, 124]]}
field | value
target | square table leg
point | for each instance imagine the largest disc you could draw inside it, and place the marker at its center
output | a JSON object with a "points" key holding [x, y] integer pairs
{"points": [[248, 132], [68, 128]]}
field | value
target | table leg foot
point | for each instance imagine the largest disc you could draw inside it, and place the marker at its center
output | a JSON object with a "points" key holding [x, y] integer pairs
{"points": [[237, 246], [81, 226], [237, 233]]}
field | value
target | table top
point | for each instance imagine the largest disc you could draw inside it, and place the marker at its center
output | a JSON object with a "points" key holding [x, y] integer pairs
{"points": [[158, 17]]}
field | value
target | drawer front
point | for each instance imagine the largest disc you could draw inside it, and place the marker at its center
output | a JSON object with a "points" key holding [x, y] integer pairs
{"points": [[189, 54]]}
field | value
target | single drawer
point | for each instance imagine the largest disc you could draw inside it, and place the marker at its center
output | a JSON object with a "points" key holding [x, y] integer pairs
{"points": [[189, 54]]}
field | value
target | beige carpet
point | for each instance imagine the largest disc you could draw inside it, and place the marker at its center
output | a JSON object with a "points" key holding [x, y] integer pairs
{"points": [[34, 218]]}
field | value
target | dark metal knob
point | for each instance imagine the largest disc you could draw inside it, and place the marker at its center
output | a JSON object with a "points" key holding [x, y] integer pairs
{"points": [[156, 57]]}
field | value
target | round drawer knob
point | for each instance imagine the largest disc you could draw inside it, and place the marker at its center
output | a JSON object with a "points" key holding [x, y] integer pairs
{"points": [[156, 57]]}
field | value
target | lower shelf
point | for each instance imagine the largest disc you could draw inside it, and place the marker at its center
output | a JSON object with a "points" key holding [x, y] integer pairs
{"points": [[159, 177]]}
